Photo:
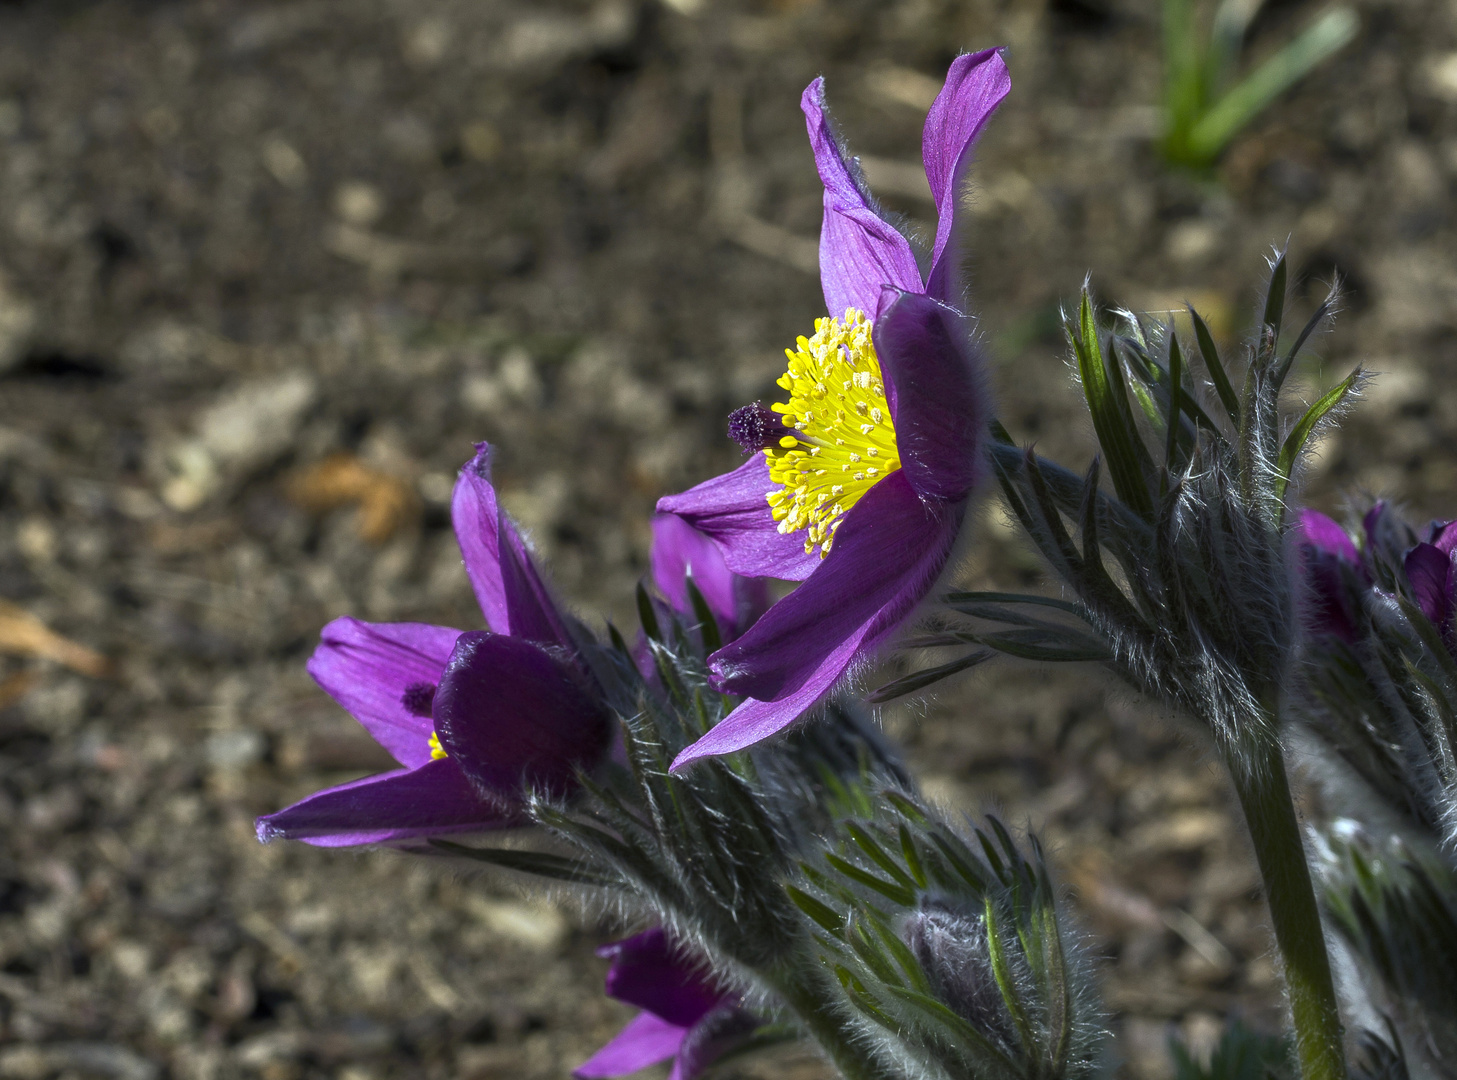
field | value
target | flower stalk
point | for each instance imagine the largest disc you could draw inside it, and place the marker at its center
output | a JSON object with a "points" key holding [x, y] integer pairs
{"points": [[1263, 788]]}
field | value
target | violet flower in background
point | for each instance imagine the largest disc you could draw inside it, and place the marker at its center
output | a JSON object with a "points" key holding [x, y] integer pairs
{"points": [[1336, 572], [864, 480], [1333, 573], [685, 1017], [680, 553], [472, 718]]}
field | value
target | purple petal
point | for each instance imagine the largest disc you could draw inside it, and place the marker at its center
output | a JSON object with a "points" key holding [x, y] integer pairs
{"points": [[645, 1041], [860, 252], [649, 972], [679, 552], [514, 716], [733, 510], [754, 721], [975, 86], [432, 800], [369, 667], [886, 556], [1429, 570], [512, 595], [1372, 523], [1322, 534], [936, 387], [1444, 536]]}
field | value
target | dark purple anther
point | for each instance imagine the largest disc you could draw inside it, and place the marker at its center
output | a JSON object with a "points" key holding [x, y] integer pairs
{"points": [[418, 698], [755, 427]]}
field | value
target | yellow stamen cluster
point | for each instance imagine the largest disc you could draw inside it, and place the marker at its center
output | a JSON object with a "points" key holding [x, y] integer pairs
{"points": [[436, 750], [843, 439]]}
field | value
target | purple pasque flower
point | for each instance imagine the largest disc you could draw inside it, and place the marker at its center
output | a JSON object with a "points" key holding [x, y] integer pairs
{"points": [[1335, 573], [684, 1016], [862, 484], [1433, 579], [473, 718], [680, 553]]}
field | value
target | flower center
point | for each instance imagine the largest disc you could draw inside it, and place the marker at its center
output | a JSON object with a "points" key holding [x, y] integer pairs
{"points": [[843, 441], [419, 700]]}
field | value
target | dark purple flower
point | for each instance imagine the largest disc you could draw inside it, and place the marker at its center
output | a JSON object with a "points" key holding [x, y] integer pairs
{"points": [[685, 1017], [863, 495], [473, 718], [1333, 574]]}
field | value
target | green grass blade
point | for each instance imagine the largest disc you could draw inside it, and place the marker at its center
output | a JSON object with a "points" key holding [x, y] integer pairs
{"points": [[1247, 99]]}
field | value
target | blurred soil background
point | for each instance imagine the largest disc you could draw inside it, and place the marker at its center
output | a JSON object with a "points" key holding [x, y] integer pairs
{"points": [[267, 269]]}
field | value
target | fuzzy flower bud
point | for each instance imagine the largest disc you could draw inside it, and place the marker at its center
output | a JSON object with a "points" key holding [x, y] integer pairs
{"points": [[950, 943]]}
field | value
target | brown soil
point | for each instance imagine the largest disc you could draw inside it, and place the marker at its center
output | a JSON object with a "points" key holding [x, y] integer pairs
{"points": [[267, 269]]}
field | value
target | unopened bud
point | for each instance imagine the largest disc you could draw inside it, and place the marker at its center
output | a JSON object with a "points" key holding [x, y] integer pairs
{"points": [[951, 945]]}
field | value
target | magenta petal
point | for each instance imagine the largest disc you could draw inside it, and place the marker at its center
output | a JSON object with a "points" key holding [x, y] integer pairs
{"points": [[732, 509], [645, 1041], [512, 595], [679, 552], [647, 971], [367, 668], [1429, 570], [1444, 536], [477, 519], [432, 800], [975, 86], [887, 554], [754, 721], [514, 716], [936, 386], [1324, 535], [860, 252]]}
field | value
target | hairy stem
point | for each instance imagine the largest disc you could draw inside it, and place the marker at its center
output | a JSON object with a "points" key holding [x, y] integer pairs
{"points": [[821, 1019], [1264, 795]]}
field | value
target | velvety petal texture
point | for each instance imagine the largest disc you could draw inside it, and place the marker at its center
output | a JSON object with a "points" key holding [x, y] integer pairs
{"points": [[975, 86], [512, 595], [369, 667], [887, 554], [1429, 571], [860, 252], [684, 1016], [891, 545], [647, 971], [509, 709], [1332, 573], [646, 1040], [731, 510], [432, 800], [513, 715], [681, 553], [936, 387]]}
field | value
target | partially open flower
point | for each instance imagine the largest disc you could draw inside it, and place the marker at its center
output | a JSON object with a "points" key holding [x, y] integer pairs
{"points": [[474, 719], [862, 495], [685, 1017]]}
